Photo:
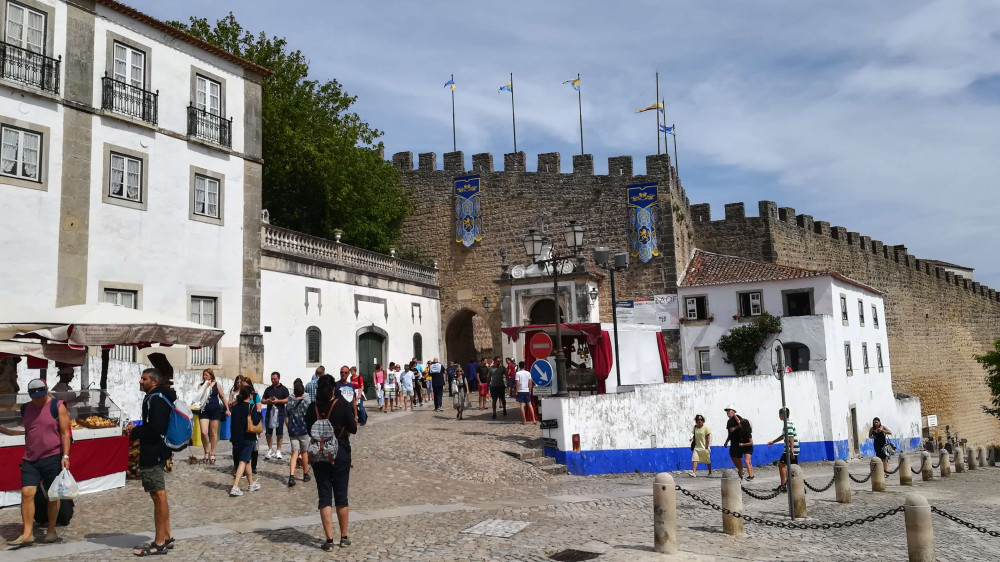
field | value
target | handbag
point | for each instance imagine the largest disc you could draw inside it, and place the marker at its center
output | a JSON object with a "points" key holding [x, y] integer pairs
{"points": [[254, 428], [694, 437], [889, 449]]}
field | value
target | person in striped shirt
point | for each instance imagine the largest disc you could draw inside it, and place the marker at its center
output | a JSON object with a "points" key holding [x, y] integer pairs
{"points": [[783, 415]]}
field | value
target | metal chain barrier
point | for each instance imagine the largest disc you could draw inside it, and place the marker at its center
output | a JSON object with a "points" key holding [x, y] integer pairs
{"points": [[762, 495], [897, 466], [790, 525], [966, 523], [917, 470], [867, 478], [936, 465], [820, 489]]}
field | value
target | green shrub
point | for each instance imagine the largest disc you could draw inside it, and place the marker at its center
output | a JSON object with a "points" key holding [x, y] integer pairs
{"points": [[741, 345]]}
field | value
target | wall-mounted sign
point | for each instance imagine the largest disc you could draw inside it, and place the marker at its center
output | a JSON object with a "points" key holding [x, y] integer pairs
{"points": [[932, 420], [468, 211]]}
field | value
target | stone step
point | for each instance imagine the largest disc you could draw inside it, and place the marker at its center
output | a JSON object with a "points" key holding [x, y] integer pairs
{"points": [[539, 462], [530, 454], [555, 469]]}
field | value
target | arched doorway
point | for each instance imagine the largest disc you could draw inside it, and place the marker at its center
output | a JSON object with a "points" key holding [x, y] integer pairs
{"points": [[459, 337], [544, 312], [796, 356], [371, 352]]}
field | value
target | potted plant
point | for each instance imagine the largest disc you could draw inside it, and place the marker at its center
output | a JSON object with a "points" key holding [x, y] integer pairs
{"points": [[711, 318], [682, 319]]}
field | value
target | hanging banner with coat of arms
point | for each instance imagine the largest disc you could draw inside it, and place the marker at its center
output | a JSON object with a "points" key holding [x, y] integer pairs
{"points": [[468, 211], [643, 215]]}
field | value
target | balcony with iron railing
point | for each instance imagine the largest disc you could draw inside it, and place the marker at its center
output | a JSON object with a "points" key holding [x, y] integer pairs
{"points": [[131, 101], [28, 67], [210, 127], [289, 242]]}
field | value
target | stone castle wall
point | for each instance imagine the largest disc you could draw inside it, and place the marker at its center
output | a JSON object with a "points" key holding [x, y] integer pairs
{"points": [[936, 321], [514, 200]]}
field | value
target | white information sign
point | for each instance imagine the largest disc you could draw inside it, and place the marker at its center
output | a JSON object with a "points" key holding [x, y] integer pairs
{"points": [[932, 420], [666, 311]]}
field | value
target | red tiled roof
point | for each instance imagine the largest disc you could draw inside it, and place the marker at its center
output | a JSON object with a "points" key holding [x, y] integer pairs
{"points": [[706, 268]]}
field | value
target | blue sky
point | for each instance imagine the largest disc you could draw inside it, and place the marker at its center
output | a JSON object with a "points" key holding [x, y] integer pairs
{"points": [[877, 116]]}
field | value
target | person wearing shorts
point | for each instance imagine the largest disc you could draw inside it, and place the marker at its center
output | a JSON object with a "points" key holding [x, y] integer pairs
{"points": [[406, 387], [390, 387], [523, 382], [295, 419], [275, 398], [783, 415], [734, 428]]}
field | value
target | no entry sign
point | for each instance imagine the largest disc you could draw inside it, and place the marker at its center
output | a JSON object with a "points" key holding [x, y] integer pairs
{"points": [[540, 345]]}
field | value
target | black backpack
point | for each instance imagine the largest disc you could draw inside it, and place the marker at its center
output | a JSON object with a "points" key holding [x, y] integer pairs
{"points": [[63, 517]]}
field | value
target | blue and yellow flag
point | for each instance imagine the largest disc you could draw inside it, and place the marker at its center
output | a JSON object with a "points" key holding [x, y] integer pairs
{"points": [[509, 87], [575, 82], [468, 211], [643, 219], [657, 105], [665, 129], [450, 83]]}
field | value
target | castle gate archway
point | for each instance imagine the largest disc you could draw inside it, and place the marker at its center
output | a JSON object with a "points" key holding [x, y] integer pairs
{"points": [[459, 338]]}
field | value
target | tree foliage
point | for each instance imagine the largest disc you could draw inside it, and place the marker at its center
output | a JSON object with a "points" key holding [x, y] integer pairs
{"points": [[323, 169], [991, 363], [742, 344]]}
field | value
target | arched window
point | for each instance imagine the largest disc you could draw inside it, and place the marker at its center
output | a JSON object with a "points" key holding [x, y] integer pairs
{"points": [[418, 347], [314, 339]]}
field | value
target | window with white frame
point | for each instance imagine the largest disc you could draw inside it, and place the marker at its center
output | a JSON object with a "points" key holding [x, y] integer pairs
{"points": [[203, 311], [843, 309], [206, 196], [208, 95], [704, 361], [864, 356], [129, 65], [875, 316], [126, 177], [878, 357], [696, 308], [847, 358], [750, 304], [21, 154], [861, 312], [25, 27], [127, 299]]}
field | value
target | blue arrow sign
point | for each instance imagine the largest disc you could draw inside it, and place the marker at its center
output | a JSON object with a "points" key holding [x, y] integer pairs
{"points": [[541, 373]]}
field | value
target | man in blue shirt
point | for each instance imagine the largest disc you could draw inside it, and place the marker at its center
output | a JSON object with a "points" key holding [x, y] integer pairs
{"points": [[472, 372]]}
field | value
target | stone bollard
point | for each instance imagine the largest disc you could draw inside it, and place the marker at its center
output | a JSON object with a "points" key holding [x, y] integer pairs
{"points": [[905, 475], [991, 456], [959, 460], [798, 490], [878, 475], [973, 461], [919, 529], [981, 455], [664, 514], [732, 499], [945, 464], [841, 482], [926, 468]]}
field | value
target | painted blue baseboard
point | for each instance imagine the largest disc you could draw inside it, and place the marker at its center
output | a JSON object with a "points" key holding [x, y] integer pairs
{"points": [[679, 458]]}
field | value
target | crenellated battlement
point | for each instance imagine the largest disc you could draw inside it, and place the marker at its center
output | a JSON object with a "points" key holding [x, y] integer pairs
{"points": [[657, 165], [770, 215]]}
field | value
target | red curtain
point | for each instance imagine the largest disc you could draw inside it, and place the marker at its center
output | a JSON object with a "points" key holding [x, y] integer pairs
{"points": [[601, 354], [90, 458], [661, 345]]}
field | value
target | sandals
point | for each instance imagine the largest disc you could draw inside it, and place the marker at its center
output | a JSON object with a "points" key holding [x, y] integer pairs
{"points": [[211, 461], [151, 548]]}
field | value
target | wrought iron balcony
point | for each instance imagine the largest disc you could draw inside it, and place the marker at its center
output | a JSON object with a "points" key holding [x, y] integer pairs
{"points": [[31, 68], [211, 127], [129, 100]]}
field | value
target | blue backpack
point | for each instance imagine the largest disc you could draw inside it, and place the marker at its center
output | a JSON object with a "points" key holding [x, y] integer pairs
{"points": [[180, 426]]}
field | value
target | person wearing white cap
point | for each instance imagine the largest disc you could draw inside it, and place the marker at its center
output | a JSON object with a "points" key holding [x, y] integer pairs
{"points": [[46, 453], [735, 428]]}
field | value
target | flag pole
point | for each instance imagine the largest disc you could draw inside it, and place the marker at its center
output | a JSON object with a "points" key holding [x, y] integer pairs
{"points": [[579, 104], [666, 145], [657, 111], [513, 119], [454, 140], [677, 170]]}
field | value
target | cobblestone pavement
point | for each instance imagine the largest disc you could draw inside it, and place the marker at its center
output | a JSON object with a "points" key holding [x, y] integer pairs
{"points": [[420, 479]]}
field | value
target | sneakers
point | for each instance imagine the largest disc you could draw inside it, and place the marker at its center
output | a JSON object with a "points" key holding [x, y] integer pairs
{"points": [[692, 474], [345, 542], [277, 455], [749, 478], [270, 454], [306, 478], [254, 487], [328, 545], [235, 492], [291, 481]]}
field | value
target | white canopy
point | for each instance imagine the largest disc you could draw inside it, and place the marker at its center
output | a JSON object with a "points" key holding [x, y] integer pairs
{"points": [[50, 352], [106, 324]]}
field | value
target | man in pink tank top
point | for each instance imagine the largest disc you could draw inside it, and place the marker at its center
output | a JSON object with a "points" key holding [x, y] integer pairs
{"points": [[46, 453]]}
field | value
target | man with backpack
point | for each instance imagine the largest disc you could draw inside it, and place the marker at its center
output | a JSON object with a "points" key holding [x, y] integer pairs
{"points": [[157, 407], [46, 453]]}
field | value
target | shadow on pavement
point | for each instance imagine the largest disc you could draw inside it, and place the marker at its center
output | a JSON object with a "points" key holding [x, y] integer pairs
{"points": [[291, 536]]}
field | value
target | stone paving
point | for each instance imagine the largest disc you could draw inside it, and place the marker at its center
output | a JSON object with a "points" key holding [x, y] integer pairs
{"points": [[421, 479]]}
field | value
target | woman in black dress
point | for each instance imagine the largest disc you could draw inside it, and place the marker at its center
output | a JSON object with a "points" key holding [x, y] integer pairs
{"points": [[878, 433]]}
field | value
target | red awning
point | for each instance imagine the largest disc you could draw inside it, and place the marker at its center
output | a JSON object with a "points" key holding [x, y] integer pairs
{"points": [[592, 331]]}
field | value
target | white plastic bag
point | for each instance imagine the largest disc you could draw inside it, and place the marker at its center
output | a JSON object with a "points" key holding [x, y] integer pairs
{"points": [[64, 487]]}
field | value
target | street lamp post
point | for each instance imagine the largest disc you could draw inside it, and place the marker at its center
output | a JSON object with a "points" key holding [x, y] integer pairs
{"points": [[533, 243], [602, 257]]}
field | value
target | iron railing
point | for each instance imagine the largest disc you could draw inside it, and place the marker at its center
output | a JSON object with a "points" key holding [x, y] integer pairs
{"points": [[211, 127], [130, 100], [31, 68]]}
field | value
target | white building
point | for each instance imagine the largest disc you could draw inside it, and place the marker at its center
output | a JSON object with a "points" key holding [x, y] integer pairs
{"points": [[130, 171]]}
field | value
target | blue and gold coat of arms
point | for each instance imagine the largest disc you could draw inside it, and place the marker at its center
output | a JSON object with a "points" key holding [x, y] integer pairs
{"points": [[643, 216], [468, 211]]}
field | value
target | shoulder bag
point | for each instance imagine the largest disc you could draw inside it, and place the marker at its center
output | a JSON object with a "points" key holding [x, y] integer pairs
{"points": [[254, 428]]}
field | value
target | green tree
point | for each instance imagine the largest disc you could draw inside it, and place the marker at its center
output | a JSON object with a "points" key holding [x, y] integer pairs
{"points": [[991, 363], [323, 168], [742, 344]]}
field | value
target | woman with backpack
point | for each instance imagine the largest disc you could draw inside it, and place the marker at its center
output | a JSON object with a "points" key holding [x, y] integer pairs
{"points": [[295, 419], [330, 421], [246, 424]]}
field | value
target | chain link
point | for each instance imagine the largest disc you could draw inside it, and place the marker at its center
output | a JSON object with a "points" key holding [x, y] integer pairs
{"points": [[966, 523], [821, 489], [761, 495], [790, 525], [938, 464], [918, 470], [897, 467], [866, 478]]}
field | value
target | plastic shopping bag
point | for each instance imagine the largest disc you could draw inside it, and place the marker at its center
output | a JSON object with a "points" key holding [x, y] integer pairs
{"points": [[64, 487]]}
